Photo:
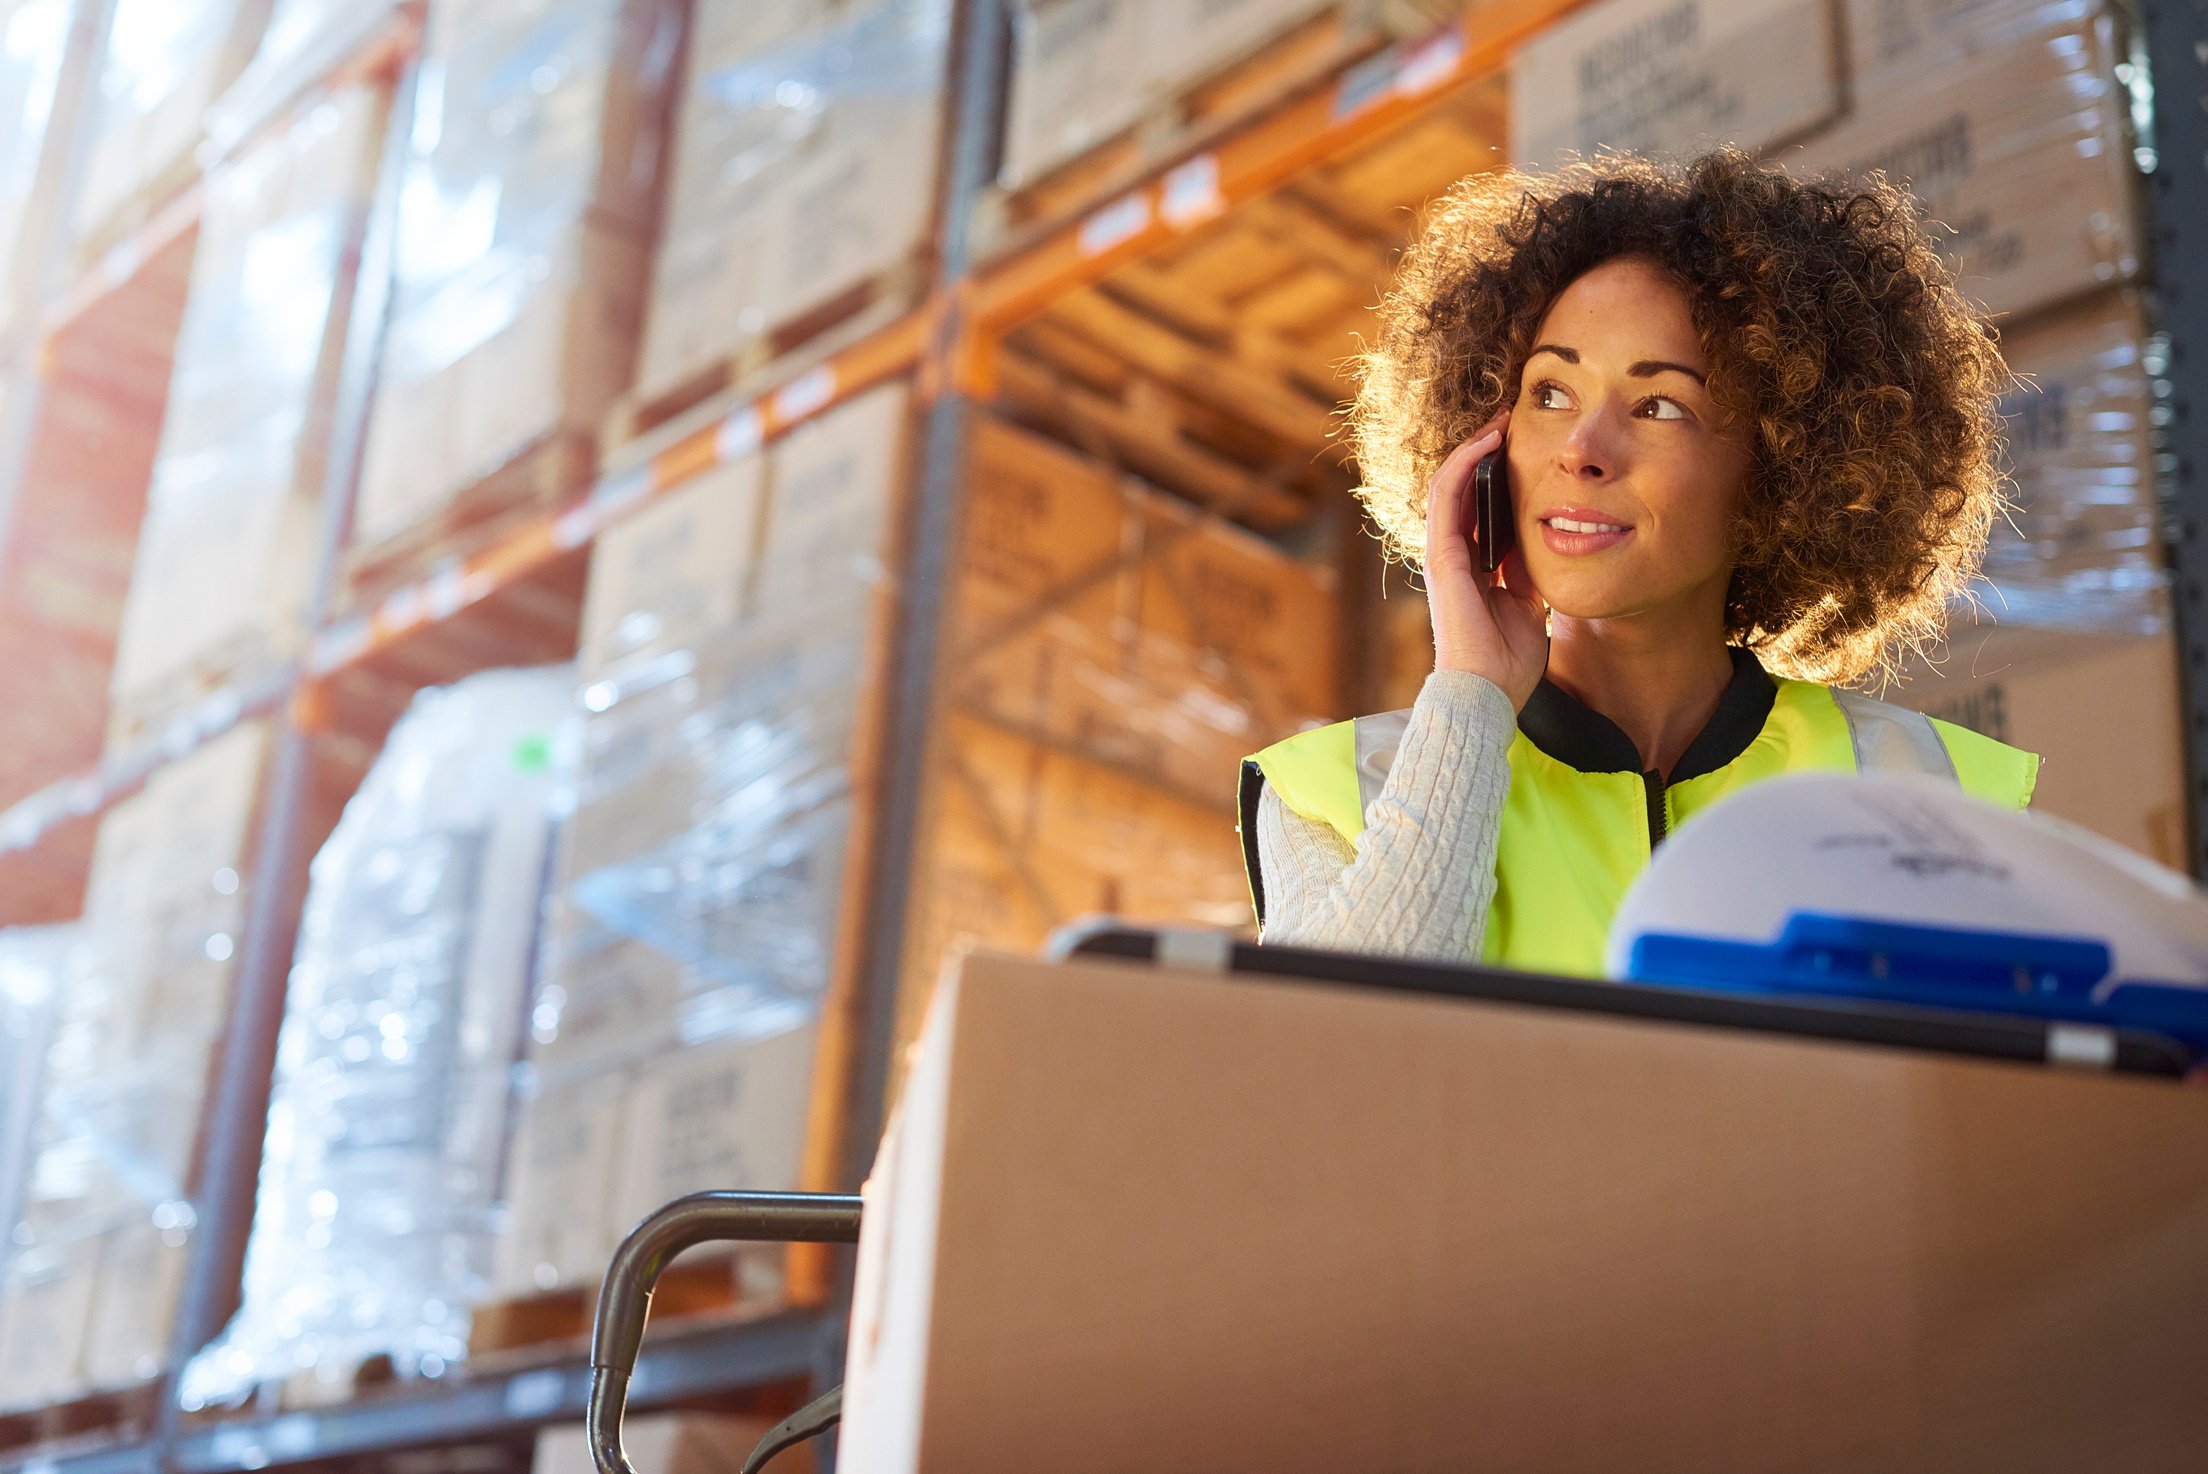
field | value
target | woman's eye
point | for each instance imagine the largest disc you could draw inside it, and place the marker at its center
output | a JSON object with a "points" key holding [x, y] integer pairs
{"points": [[1663, 409], [1548, 396]]}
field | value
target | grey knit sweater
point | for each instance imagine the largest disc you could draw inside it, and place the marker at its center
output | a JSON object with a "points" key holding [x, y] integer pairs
{"points": [[1418, 881]]}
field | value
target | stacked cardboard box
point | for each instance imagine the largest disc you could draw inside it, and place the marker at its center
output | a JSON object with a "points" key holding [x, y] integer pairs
{"points": [[1113, 655], [226, 554], [1084, 71], [164, 62], [2008, 122], [1674, 77], [804, 174], [697, 889], [524, 231], [105, 1225]]}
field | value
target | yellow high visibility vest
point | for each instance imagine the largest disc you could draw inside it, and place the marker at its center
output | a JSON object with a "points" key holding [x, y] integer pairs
{"points": [[1581, 818]]}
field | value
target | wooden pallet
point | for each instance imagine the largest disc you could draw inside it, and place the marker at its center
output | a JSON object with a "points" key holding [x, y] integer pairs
{"points": [[644, 421], [94, 1418], [1205, 108], [700, 1286], [547, 474]]}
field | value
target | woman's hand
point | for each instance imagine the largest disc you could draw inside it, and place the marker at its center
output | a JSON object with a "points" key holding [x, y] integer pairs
{"points": [[1493, 625]]}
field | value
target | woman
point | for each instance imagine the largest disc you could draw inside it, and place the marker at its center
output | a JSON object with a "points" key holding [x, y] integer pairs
{"points": [[1751, 437]]}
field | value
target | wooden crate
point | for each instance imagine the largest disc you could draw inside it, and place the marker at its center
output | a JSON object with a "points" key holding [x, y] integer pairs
{"points": [[1104, 91]]}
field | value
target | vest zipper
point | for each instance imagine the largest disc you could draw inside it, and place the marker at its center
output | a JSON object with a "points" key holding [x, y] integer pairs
{"points": [[1652, 783]]}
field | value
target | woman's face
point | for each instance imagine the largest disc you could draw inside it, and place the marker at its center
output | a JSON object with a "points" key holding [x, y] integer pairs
{"points": [[1626, 481]]}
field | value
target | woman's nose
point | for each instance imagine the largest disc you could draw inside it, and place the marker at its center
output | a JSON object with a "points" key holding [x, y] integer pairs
{"points": [[1587, 452]]}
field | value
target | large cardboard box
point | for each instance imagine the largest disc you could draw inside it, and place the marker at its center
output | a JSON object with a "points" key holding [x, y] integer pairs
{"points": [[2082, 549], [226, 555], [45, 1311], [2018, 149], [1163, 1219], [1128, 626], [674, 570], [727, 1115], [566, 1173], [1082, 71], [2104, 712], [524, 240], [776, 212], [141, 1275], [164, 62], [1674, 77]]}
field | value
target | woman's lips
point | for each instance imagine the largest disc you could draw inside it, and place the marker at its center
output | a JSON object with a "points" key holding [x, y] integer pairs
{"points": [[1574, 533]]}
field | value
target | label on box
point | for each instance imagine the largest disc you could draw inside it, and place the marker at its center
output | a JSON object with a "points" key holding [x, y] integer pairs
{"points": [[1674, 77]]}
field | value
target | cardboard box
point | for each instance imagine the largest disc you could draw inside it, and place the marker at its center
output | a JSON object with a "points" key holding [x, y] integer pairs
{"points": [[2083, 549], [1164, 1219], [162, 65], [1126, 625], [226, 555], [524, 253], [1674, 77], [2104, 712], [769, 221], [477, 373], [836, 480], [559, 1228], [2020, 151], [670, 1443], [723, 1115], [675, 569], [45, 1305], [141, 1275], [1893, 44], [1082, 72]]}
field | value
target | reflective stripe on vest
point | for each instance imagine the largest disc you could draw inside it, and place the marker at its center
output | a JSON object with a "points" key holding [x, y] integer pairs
{"points": [[1572, 841]]}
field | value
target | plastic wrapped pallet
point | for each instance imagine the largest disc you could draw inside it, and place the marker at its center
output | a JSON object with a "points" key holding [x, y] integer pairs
{"points": [[33, 34], [388, 1126], [804, 176], [1673, 77], [33, 977], [227, 550], [303, 41], [1084, 71], [524, 228], [2007, 120], [106, 1218], [165, 61], [2082, 549], [696, 910]]}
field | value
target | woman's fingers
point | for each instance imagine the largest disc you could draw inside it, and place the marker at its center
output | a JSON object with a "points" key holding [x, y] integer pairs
{"points": [[1445, 494]]}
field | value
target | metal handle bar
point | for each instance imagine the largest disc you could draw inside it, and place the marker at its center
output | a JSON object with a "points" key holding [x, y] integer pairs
{"points": [[625, 1297]]}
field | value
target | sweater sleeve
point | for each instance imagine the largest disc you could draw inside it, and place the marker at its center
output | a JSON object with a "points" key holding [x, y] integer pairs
{"points": [[1418, 881]]}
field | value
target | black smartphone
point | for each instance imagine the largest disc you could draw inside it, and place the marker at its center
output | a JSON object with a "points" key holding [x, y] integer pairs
{"points": [[1494, 528]]}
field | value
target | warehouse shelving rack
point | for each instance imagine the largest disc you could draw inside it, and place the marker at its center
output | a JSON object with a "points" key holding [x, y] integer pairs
{"points": [[952, 346]]}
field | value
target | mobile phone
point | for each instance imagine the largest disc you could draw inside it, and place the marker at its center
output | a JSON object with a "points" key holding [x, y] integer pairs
{"points": [[1494, 528]]}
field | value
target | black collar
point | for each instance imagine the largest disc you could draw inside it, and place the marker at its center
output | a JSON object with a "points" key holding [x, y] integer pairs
{"points": [[1584, 738]]}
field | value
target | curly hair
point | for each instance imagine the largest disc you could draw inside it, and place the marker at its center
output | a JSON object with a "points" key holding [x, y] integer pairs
{"points": [[1864, 384]]}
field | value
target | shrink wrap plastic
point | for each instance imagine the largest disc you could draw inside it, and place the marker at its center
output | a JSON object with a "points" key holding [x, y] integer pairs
{"points": [[388, 1126]]}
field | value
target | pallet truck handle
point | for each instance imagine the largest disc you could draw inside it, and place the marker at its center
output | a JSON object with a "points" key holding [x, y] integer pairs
{"points": [[625, 1297]]}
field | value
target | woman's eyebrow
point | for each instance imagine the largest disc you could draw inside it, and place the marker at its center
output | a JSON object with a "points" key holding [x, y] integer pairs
{"points": [[1569, 355], [1649, 367]]}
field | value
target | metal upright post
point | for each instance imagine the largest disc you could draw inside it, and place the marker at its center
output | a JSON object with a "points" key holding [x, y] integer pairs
{"points": [[237, 1114], [2176, 37], [931, 535]]}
